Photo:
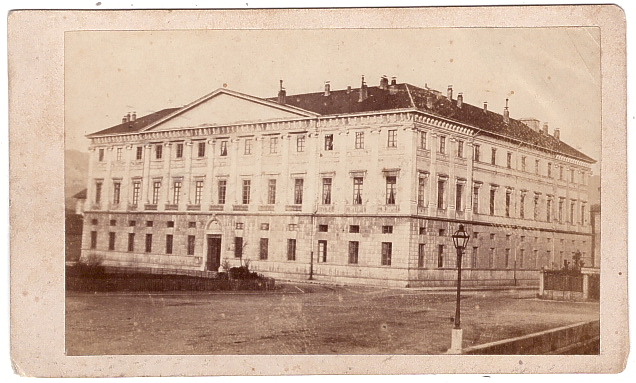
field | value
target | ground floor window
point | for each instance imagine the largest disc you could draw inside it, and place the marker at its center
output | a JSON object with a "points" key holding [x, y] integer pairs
{"points": [[291, 249], [387, 248], [322, 251], [148, 243], [238, 247], [93, 239], [354, 246], [440, 256], [131, 241], [421, 253], [169, 244], [264, 248], [191, 244], [111, 241]]}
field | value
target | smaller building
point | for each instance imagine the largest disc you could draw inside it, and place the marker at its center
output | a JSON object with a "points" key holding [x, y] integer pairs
{"points": [[80, 199]]}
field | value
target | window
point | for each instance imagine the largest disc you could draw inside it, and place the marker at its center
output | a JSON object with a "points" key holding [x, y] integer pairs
{"points": [[536, 257], [357, 190], [322, 250], [118, 154], [239, 226], [509, 160], [271, 191], [422, 230], [440, 256], [549, 169], [387, 229], [140, 153], [421, 253], [491, 258], [326, 191], [508, 193], [476, 153], [536, 166], [148, 243], [136, 191], [387, 248], [273, 145], [116, 192], [191, 239], [328, 141], [93, 239], [291, 249], [442, 144], [572, 175], [98, 192], [493, 156], [492, 201], [354, 246], [111, 241], [522, 204], [223, 148], [101, 155], [354, 228], [300, 143], [201, 149], [521, 256], [192, 225], [572, 204], [459, 191], [442, 232], [536, 208], [473, 257], [198, 192], [476, 234], [170, 223], [548, 210], [359, 140], [292, 227], [392, 139], [441, 186], [248, 146], [323, 228], [169, 244], [179, 151], [221, 191], [132, 223], [423, 140], [582, 214], [476, 199], [158, 151], [131, 241], [265, 226], [492, 236], [421, 189], [149, 223], [390, 190], [176, 193], [155, 192], [298, 191], [523, 163], [238, 247], [507, 258], [561, 172], [246, 192], [560, 209]]}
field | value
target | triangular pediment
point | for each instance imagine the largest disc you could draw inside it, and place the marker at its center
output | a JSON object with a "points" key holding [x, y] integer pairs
{"points": [[225, 107]]}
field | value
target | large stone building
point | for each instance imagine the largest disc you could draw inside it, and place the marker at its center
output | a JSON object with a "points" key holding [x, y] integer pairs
{"points": [[361, 185]]}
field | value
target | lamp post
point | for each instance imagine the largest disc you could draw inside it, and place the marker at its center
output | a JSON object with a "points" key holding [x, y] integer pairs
{"points": [[460, 239]]}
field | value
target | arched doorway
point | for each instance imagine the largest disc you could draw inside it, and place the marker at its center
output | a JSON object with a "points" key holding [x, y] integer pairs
{"points": [[213, 244]]}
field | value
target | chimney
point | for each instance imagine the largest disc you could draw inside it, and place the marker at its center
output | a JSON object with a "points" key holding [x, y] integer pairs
{"points": [[545, 128], [327, 88], [123, 120], [557, 134], [460, 99], [449, 92], [393, 80], [282, 94], [128, 117], [384, 82], [363, 91], [429, 102], [485, 106], [506, 114], [349, 89], [134, 116]]}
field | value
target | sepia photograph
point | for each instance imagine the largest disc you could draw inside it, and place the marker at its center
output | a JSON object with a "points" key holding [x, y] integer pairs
{"points": [[328, 192], [345, 191]]}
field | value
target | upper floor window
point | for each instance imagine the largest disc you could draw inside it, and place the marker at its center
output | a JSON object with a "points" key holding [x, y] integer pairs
{"points": [[326, 191], [116, 192], [201, 149], [273, 145], [298, 191], [536, 166], [158, 151], [328, 141], [300, 143], [476, 151], [179, 151], [359, 140], [101, 155], [357, 190], [561, 173], [140, 152], [549, 169], [271, 191], [492, 201], [198, 192], [423, 140], [392, 139], [493, 156], [509, 160], [248, 146], [441, 188], [222, 187], [119, 150], [223, 148], [476, 200], [98, 191], [442, 144], [156, 187], [247, 184], [572, 175], [460, 149], [523, 163], [391, 190]]}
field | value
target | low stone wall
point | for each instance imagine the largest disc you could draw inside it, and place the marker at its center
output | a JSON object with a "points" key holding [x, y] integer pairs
{"points": [[577, 339]]}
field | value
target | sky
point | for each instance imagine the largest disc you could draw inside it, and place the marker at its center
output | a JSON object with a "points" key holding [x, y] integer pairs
{"points": [[551, 74]]}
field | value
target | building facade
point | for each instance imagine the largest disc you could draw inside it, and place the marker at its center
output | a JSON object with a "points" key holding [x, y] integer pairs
{"points": [[362, 185]]}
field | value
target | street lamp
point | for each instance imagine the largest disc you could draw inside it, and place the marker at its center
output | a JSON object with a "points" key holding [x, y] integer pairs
{"points": [[460, 239]]}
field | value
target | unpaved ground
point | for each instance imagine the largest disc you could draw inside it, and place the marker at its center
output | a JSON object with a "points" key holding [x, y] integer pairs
{"points": [[304, 319]]}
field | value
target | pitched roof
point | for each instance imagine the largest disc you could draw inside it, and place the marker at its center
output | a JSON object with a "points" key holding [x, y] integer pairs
{"points": [[135, 126], [81, 194], [407, 96]]}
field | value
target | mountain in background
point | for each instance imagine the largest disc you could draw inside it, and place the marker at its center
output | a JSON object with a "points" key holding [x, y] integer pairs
{"points": [[75, 175]]}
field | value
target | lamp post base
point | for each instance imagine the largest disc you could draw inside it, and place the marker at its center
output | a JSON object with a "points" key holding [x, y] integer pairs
{"points": [[456, 341]]}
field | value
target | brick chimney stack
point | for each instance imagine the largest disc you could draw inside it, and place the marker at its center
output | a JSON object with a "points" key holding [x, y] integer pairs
{"points": [[363, 91], [449, 92], [282, 94], [460, 99], [506, 114]]}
